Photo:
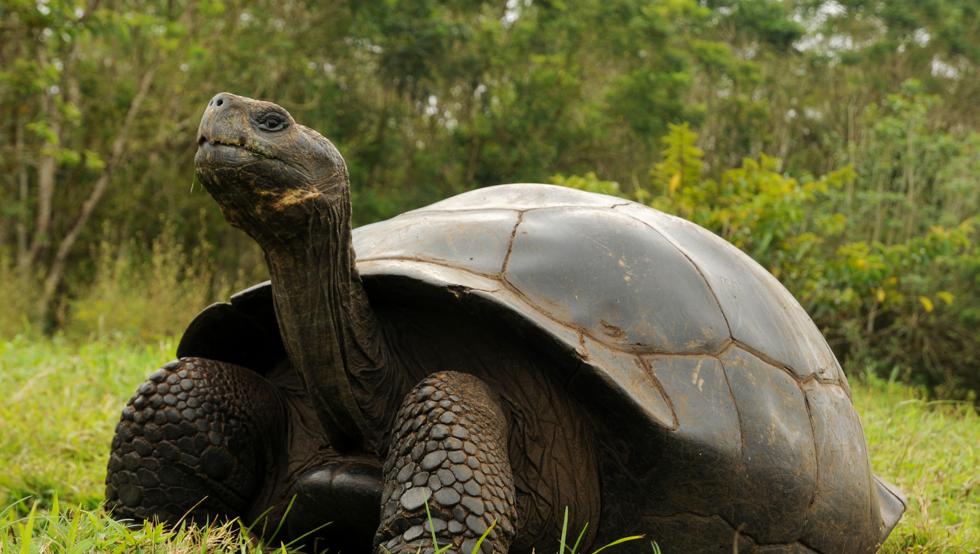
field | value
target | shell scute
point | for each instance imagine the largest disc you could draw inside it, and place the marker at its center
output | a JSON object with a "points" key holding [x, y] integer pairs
{"points": [[778, 461], [476, 241], [706, 439], [609, 276], [844, 487], [629, 377]]}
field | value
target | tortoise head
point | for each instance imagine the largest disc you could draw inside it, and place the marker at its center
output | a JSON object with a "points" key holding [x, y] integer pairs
{"points": [[267, 172]]}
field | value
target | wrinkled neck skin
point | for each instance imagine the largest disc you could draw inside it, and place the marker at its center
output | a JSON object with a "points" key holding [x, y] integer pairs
{"points": [[330, 332]]}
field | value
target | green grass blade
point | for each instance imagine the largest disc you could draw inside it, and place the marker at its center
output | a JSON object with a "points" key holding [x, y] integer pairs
{"points": [[564, 532], [581, 535], [73, 526], [27, 530], [619, 541], [476, 547], [297, 540], [432, 528], [282, 520]]}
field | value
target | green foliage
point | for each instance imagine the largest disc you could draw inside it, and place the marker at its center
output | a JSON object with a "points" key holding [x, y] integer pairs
{"points": [[905, 187], [680, 165], [908, 309], [589, 182], [427, 99]]}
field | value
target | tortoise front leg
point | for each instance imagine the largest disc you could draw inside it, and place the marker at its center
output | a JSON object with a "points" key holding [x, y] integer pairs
{"points": [[197, 440], [448, 450]]}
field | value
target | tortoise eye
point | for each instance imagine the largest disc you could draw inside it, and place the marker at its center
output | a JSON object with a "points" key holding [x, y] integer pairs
{"points": [[272, 122]]}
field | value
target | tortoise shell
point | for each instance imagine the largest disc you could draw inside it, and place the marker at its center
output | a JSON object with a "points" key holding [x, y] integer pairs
{"points": [[684, 340]]}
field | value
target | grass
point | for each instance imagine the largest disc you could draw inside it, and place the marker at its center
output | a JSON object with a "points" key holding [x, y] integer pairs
{"points": [[931, 450], [61, 401]]}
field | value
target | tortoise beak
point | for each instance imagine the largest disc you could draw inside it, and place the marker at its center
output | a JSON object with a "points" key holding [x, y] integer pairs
{"points": [[225, 121], [223, 134]]}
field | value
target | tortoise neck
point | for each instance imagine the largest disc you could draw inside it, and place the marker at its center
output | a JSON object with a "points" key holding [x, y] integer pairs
{"points": [[329, 329]]}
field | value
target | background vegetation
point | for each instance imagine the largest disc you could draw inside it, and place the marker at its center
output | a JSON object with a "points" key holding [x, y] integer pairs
{"points": [[835, 141]]}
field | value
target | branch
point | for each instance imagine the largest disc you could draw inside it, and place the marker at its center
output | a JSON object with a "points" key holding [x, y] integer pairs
{"points": [[118, 151]]}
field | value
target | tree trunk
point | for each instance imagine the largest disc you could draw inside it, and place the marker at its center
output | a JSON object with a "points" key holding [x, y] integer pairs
{"points": [[23, 195], [46, 173], [56, 272], [909, 166]]}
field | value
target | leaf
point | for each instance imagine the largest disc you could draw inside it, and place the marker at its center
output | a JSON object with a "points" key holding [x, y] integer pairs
{"points": [[675, 183], [946, 297], [43, 131], [93, 161], [926, 303], [880, 295], [67, 156]]}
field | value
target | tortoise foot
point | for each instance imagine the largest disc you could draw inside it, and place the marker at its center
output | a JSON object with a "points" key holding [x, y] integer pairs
{"points": [[193, 443], [448, 453]]}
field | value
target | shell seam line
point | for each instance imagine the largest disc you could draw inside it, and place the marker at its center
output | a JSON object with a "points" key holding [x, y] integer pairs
{"points": [[738, 413], [645, 365], [510, 243], [816, 457], [777, 364], [681, 251]]}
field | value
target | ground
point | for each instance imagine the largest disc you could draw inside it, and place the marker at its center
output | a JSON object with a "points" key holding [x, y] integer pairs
{"points": [[61, 402]]}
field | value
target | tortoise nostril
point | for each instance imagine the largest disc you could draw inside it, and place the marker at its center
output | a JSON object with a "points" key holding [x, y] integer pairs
{"points": [[222, 100], [219, 100]]}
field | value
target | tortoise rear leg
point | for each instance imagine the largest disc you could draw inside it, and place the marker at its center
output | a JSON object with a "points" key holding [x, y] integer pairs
{"points": [[448, 450], [196, 440]]}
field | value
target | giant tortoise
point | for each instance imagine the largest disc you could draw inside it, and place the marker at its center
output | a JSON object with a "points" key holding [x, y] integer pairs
{"points": [[491, 360]]}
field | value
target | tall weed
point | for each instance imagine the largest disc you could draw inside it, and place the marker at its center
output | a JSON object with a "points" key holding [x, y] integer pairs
{"points": [[145, 294], [18, 293]]}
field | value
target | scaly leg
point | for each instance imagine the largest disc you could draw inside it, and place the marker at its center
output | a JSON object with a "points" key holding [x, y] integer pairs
{"points": [[448, 450], [197, 439]]}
